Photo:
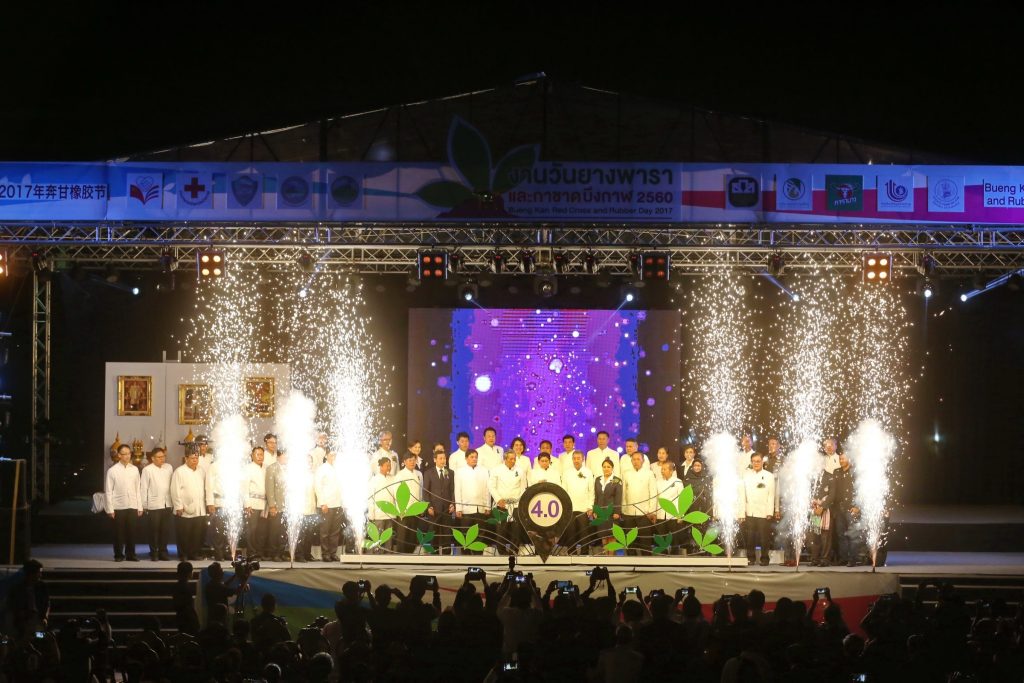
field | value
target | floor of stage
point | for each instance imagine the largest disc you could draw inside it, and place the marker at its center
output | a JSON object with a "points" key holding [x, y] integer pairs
{"points": [[95, 556]]}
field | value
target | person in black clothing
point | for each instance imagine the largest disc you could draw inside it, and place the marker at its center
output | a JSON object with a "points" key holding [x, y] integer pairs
{"points": [[216, 591], [28, 600], [185, 617], [844, 512], [439, 492]]}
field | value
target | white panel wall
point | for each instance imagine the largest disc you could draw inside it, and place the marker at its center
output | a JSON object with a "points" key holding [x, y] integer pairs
{"points": [[162, 428]]}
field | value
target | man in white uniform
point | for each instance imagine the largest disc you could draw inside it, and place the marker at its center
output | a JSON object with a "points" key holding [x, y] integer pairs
{"points": [[254, 488], [472, 498], [269, 450], [506, 486], [327, 486], [383, 451], [491, 455], [123, 503], [405, 529], [830, 460], [382, 489], [669, 487], [578, 482], [626, 459], [458, 458], [156, 502], [596, 456], [743, 459], [215, 510], [639, 501], [206, 456], [188, 498], [544, 472], [564, 460], [757, 505]]}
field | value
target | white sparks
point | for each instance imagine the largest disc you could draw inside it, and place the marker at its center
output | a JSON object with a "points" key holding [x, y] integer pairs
{"points": [[721, 454], [796, 488], [871, 450]]}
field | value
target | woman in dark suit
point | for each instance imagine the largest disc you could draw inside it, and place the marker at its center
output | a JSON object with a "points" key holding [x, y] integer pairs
{"points": [[607, 491]]}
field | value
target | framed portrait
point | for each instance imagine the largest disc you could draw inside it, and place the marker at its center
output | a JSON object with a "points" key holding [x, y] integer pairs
{"points": [[134, 395], [259, 396], [194, 403]]}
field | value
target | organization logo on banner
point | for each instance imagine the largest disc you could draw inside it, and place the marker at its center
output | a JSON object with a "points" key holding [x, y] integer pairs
{"points": [[794, 192], [945, 193], [742, 192], [344, 191], [146, 189], [244, 191], [895, 192], [844, 192], [196, 189], [294, 191]]}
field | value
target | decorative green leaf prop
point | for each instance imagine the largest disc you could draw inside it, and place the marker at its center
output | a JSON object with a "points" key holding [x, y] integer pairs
{"points": [[403, 509], [498, 516], [468, 540], [706, 541], [602, 513], [662, 542], [623, 539], [424, 539], [375, 538]]}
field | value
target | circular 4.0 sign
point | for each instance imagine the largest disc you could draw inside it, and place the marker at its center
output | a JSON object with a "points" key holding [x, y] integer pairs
{"points": [[545, 507]]}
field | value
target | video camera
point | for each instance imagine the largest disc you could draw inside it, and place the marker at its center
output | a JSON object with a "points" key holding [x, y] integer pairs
{"points": [[244, 567]]}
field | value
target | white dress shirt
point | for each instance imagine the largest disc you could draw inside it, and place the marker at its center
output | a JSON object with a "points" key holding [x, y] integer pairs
{"points": [[381, 489], [538, 475], [415, 481], [507, 484], [188, 491], [670, 489], [757, 494], [269, 458], [327, 484], [684, 467], [214, 486], [457, 460], [205, 461], [156, 486], [597, 456], [472, 495], [381, 453], [254, 485], [491, 457], [121, 488], [579, 484], [563, 461], [656, 471], [639, 491], [830, 463], [524, 465]]}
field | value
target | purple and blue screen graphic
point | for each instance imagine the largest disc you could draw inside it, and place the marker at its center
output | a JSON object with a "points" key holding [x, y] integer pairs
{"points": [[541, 374]]}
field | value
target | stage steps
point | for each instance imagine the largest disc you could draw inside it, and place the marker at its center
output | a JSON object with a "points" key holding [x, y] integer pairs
{"points": [[972, 588], [130, 596]]}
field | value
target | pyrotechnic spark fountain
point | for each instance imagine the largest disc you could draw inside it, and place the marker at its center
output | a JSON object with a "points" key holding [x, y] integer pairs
{"points": [[232, 439], [796, 482], [721, 453], [871, 450], [335, 361], [297, 434]]}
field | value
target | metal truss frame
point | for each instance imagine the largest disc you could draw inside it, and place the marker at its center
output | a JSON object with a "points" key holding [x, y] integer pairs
{"points": [[391, 249]]}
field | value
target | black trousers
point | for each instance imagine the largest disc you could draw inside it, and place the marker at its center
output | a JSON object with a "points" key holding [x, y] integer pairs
{"points": [[256, 534], [189, 532], [330, 532], [219, 535], [842, 520], [124, 533], [441, 524], [277, 535], [671, 527], [405, 534], [757, 531], [643, 527], [159, 522]]}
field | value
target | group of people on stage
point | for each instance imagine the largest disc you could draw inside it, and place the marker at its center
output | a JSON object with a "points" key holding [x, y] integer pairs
{"points": [[464, 488]]}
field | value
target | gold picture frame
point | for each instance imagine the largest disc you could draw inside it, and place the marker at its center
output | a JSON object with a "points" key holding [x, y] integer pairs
{"points": [[134, 395], [195, 402], [259, 397]]}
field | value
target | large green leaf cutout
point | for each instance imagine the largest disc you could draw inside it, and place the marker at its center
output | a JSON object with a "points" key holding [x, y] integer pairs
{"points": [[402, 496], [470, 154], [685, 501], [374, 537], [417, 509], [387, 507], [662, 542], [444, 193], [668, 506], [696, 517], [498, 516], [516, 162]]}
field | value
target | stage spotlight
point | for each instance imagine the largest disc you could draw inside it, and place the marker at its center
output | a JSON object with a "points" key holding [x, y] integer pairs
{"points": [[776, 265], [433, 265], [963, 297], [926, 266], [629, 297], [210, 264], [166, 261], [927, 291], [877, 268], [4, 264], [545, 286], [41, 267], [560, 261], [135, 290], [497, 262], [303, 293], [526, 261], [590, 262], [795, 297], [307, 264], [468, 292], [654, 265], [628, 294], [455, 262]]}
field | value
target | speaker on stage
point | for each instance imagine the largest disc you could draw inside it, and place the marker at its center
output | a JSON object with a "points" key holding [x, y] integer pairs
{"points": [[15, 537]]}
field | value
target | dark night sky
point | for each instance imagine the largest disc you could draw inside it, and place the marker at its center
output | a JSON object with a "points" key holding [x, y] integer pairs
{"points": [[85, 84]]}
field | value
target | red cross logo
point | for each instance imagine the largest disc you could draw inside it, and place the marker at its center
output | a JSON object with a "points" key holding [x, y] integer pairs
{"points": [[194, 188]]}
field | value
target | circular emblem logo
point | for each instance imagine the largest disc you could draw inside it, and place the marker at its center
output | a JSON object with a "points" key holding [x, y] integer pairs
{"points": [[794, 189], [344, 190], [294, 190], [945, 193]]}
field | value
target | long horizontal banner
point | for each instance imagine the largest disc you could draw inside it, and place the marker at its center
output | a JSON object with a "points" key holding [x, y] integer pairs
{"points": [[517, 188]]}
